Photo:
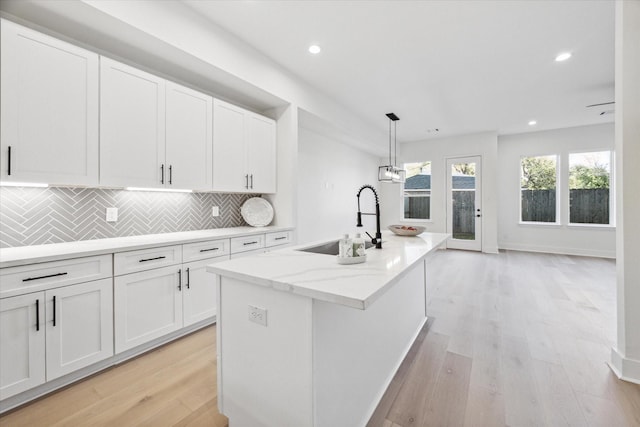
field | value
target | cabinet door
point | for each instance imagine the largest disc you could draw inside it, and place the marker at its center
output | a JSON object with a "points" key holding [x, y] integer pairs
{"points": [[199, 297], [189, 138], [22, 351], [261, 153], [132, 132], [82, 333], [147, 305], [49, 111], [229, 171]]}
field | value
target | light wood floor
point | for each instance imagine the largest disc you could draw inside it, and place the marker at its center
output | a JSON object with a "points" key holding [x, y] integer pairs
{"points": [[515, 339], [174, 385]]}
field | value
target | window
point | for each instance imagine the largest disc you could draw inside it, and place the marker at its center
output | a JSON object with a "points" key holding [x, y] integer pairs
{"points": [[538, 178], [417, 191], [589, 185]]}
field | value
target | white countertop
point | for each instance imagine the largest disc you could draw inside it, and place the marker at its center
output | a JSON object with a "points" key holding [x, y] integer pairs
{"points": [[320, 277], [11, 257]]}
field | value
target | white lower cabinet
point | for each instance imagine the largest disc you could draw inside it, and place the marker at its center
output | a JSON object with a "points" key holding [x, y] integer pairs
{"points": [[199, 291], [147, 305], [80, 326], [48, 334], [22, 351]]}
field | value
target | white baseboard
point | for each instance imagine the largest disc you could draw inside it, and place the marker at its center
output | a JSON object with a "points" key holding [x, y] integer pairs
{"points": [[557, 250], [626, 369]]}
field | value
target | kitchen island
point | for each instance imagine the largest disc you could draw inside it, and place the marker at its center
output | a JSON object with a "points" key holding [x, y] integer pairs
{"points": [[304, 341]]}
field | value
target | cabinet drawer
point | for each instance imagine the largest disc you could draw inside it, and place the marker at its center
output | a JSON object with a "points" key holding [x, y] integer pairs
{"points": [[279, 238], [204, 250], [146, 259], [247, 243], [47, 275]]}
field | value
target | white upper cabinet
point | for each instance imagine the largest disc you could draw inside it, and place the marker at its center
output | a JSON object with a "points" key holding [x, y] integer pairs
{"points": [[261, 153], [49, 109], [132, 131], [153, 133], [189, 144], [244, 150]]}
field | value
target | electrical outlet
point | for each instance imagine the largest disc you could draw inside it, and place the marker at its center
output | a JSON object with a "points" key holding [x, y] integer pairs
{"points": [[258, 315], [215, 211], [112, 214]]}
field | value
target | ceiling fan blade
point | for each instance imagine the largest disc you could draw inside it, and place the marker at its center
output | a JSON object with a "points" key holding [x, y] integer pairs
{"points": [[603, 103]]}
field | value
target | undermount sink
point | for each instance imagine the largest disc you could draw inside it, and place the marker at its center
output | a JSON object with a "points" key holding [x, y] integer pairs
{"points": [[330, 248]]}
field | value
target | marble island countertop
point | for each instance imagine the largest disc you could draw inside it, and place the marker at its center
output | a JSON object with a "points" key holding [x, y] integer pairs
{"points": [[10, 257], [320, 277]]}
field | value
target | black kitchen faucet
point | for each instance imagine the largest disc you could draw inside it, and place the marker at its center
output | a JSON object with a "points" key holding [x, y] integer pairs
{"points": [[378, 239]]}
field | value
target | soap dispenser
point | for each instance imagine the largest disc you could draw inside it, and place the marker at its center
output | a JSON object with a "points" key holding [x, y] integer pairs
{"points": [[345, 247], [358, 246]]}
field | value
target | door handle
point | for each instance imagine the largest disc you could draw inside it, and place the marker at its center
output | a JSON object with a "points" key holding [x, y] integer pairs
{"points": [[188, 280], [170, 174], [54, 310], [246, 179], [162, 173], [9, 160], [180, 279], [37, 314], [251, 181], [478, 215]]}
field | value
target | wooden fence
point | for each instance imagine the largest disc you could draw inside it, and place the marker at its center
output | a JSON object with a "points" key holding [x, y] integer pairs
{"points": [[586, 206]]}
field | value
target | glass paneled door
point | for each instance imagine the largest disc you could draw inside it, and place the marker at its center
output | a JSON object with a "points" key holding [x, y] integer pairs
{"points": [[464, 198]]}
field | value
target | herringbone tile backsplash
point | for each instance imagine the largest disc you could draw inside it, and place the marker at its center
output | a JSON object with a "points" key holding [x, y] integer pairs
{"points": [[35, 216]]}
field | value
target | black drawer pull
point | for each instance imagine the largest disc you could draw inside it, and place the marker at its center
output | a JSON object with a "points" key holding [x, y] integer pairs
{"points": [[210, 249], [9, 160], [188, 280], [249, 243], [37, 315], [280, 238], [152, 259], [54, 310], [28, 279], [180, 279]]}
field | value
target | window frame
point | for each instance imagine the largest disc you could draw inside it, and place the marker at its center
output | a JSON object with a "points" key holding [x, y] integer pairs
{"points": [[612, 192], [558, 211], [402, 196]]}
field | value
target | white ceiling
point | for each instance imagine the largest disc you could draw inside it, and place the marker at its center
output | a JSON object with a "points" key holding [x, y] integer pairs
{"points": [[459, 66]]}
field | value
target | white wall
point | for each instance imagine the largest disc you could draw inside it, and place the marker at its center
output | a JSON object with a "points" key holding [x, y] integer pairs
{"points": [[577, 240], [437, 151], [625, 356], [329, 176]]}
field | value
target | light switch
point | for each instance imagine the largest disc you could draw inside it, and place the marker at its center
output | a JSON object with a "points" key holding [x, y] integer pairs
{"points": [[112, 214], [215, 211]]}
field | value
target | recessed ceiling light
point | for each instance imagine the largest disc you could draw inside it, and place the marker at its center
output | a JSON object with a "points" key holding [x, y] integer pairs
{"points": [[563, 56], [315, 49], [532, 123]]}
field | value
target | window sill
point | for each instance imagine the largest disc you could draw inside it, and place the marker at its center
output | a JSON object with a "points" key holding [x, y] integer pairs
{"points": [[413, 221], [541, 224], [592, 226]]}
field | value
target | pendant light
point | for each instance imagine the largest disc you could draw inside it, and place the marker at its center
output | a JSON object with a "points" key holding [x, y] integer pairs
{"points": [[391, 172]]}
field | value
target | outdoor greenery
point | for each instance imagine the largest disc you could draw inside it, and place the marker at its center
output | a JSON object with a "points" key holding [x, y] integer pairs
{"points": [[468, 169], [588, 177], [538, 173]]}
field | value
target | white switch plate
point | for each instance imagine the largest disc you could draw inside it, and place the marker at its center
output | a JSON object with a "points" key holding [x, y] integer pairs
{"points": [[258, 315], [215, 211], [112, 214]]}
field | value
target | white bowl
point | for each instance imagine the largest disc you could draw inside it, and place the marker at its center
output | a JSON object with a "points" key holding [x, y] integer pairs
{"points": [[406, 230]]}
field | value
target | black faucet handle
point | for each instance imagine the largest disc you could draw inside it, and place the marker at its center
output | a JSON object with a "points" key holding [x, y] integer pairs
{"points": [[373, 239]]}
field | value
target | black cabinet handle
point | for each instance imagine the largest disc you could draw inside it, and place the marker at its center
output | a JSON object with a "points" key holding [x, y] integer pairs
{"points": [[54, 310], [9, 160], [210, 249], [162, 173], [280, 238], [37, 315], [249, 243], [170, 174], [151, 259], [246, 181], [28, 279], [188, 279], [251, 181], [180, 279]]}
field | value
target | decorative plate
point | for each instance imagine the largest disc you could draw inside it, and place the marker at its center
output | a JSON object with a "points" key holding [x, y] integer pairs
{"points": [[406, 230], [257, 212]]}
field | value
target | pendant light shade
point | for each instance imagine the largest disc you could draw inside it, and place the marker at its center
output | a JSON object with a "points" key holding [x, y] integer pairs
{"points": [[391, 172]]}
